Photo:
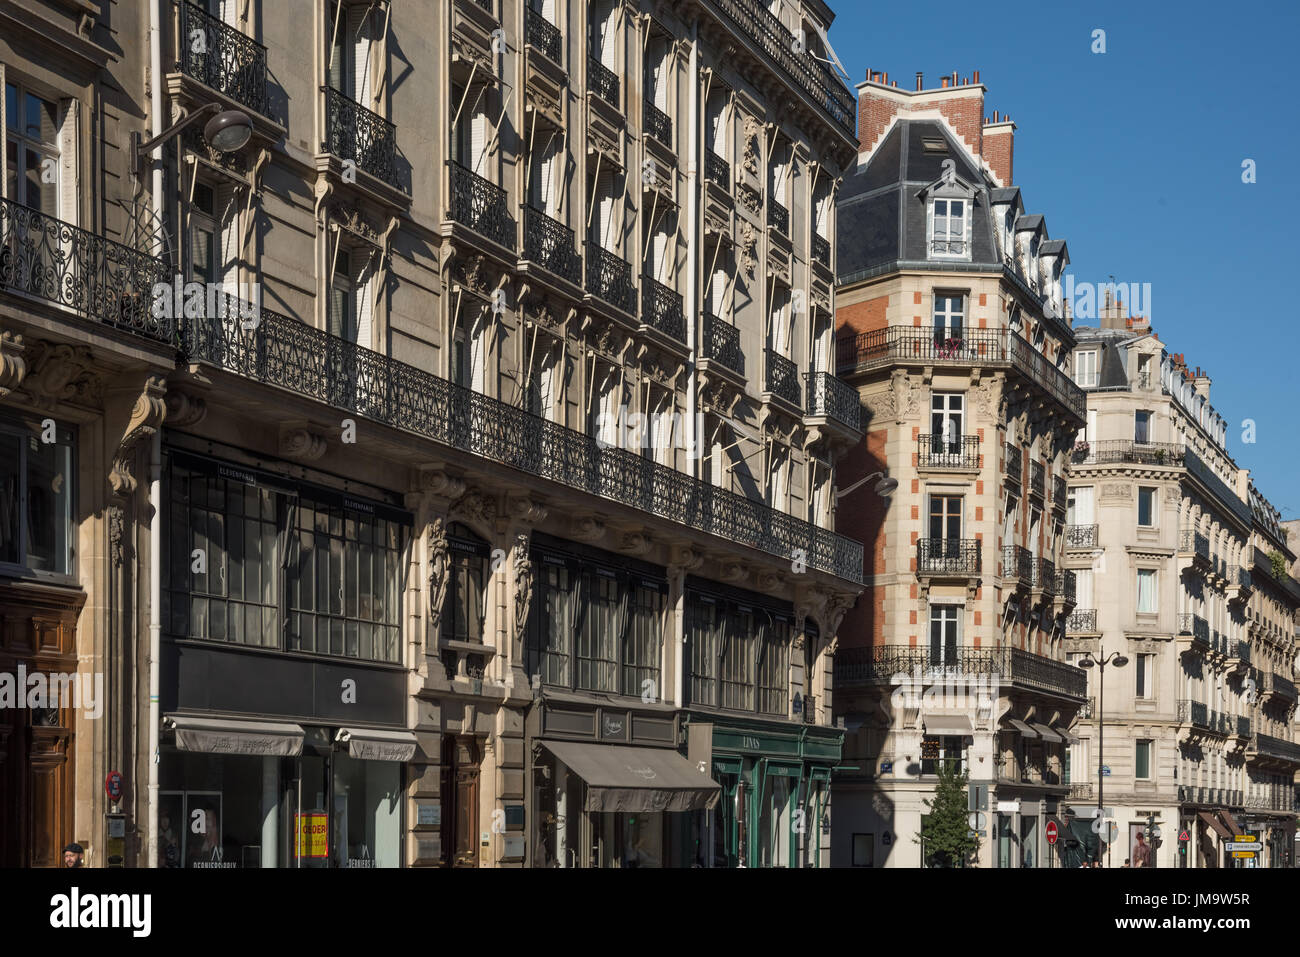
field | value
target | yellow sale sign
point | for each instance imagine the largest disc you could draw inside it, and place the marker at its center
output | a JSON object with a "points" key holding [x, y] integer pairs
{"points": [[312, 831]]}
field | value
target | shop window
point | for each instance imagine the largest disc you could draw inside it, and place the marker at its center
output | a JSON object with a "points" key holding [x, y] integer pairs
{"points": [[739, 655], [774, 666], [736, 659], [37, 488], [946, 752]]}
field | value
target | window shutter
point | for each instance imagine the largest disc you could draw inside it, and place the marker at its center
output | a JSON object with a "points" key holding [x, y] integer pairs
{"points": [[659, 253], [339, 57], [227, 11], [608, 36], [548, 381], [364, 284], [4, 137], [546, 178], [227, 212], [605, 211], [718, 291], [548, 10], [478, 125], [661, 80], [361, 28], [68, 184]]}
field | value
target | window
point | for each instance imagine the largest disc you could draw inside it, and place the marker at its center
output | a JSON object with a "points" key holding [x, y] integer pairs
{"points": [[945, 518], [1146, 597], [1079, 506], [948, 227], [31, 134], [947, 752], [467, 573], [780, 334], [1145, 677], [1085, 369], [946, 417], [1146, 506], [354, 30], [864, 850], [735, 649], [736, 659], [948, 317], [1142, 426], [1142, 760], [343, 299], [37, 485], [944, 635], [773, 664]]}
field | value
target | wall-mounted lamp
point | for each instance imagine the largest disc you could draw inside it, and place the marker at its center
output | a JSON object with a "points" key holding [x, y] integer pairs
{"points": [[227, 131], [884, 488]]}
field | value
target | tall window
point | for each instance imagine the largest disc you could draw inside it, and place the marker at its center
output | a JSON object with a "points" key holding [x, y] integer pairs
{"points": [[773, 664], [944, 626], [945, 517], [37, 484], [1142, 426], [1145, 676], [736, 650], [948, 318], [1146, 506], [1146, 587], [31, 133], [948, 227], [1079, 507], [464, 608], [354, 32], [947, 411], [1142, 759], [1085, 368]]}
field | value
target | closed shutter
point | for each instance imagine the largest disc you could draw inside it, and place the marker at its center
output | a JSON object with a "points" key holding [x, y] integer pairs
{"points": [[717, 117], [548, 10], [780, 336], [548, 382], [659, 240], [608, 32], [227, 11], [361, 29], [6, 188], [478, 344], [606, 232], [662, 430], [69, 182], [478, 136], [546, 187], [227, 216], [340, 60], [660, 78], [365, 283], [777, 481], [718, 291]]}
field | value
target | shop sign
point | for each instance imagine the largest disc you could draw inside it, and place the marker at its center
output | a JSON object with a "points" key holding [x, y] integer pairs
{"points": [[312, 831], [429, 815]]}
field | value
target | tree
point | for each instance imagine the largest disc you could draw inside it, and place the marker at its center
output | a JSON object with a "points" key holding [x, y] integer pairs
{"points": [[945, 836]]}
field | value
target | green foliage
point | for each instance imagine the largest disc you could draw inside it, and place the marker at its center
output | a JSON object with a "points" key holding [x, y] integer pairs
{"points": [[945, 831], [1278, 561]]}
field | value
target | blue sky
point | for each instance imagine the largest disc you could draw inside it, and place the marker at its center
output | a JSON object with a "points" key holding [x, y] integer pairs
{"points": [[1135, 157]]}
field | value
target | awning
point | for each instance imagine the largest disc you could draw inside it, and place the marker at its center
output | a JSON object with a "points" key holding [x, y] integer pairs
{"points": [[1023, 728], [367, 744], [1231, 823], [1068, 736], [948, 724], [231, 736], [1215, 824], [636, 779], [1047, 733]]}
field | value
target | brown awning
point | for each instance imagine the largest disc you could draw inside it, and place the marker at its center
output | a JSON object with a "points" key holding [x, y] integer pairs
{"points": [[621, 778], [940, 724], [1215, 824], [1233, 828], [231, 736], [1069, 736], [1025, 730], [1045, 732]]}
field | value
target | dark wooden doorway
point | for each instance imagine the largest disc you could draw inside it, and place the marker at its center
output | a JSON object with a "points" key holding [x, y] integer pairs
{"points": [[461, 757]]}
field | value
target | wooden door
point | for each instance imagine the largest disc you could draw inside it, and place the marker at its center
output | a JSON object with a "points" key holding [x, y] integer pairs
{"points": [[461, 756]]}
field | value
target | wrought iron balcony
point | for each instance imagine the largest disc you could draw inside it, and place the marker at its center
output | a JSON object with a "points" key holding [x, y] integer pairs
{"points": [[610, 278], [602, 81], [1044, 576], [661, 308], [955, 557], [93, 277], [984, 348], [1014, 463], [1275, 684], [1194, 713], [1239, 650], [225, 60], [722, 343], [544, 36], [821, 249], [1127, 452], [1066, 584], [1060, 492], [1037, 478], [287, 354], [481, 205], [658, 124], [961, 452], [1017, 563], [1081, 536], [834, 399], [549, 243], [782, 378], [353, 132], [1011, 666], [1277, 748], [1192, 542], [1243, 726], [778, 217], [1082, 621], [717, 170]]}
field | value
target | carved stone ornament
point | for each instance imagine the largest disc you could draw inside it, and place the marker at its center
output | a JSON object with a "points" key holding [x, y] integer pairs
{"points": [[349, 218], [474, 508], [685, 558], [146, 419], [525, 509], [302, 444], [899, 383], [750, 198], [732, 572], [441, 483], [62, 373], [523, 569], [769, 582], [587, 528], [634, 543], [881, 405], [116, 534], [13, 365], [439, 561], [184, 410], [748, 247], [750, 128]]}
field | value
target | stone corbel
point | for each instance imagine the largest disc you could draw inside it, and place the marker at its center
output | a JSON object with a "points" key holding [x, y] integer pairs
{"points": [[300, 442], [441, 484], [635, 543], [732, 572], [147, 417], [62, 373], [685, 558], [587, 527], [184, 409], [13, 363], [523, 508], [476, 509]]}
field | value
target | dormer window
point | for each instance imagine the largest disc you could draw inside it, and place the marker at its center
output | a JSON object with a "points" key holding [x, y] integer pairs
{"points": [[950, 228]]}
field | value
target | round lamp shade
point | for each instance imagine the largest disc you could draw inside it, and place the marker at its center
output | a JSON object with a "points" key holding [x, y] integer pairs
{"points": [[228, 131]]}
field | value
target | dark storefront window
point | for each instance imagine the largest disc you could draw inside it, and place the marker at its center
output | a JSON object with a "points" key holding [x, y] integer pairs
{"points": [[739, 655], [463, 608], [736, 659], [36, 494]]}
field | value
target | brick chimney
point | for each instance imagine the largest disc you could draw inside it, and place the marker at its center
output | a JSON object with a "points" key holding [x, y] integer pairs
{"points": [[1201, 382], [999, 147], [962, 105]]}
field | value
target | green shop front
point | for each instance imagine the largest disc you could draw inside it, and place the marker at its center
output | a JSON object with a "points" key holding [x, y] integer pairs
{"points": [[775, 778]]}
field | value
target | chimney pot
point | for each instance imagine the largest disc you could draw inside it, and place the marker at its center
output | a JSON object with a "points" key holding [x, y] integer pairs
{"points": [[944, 83], [919, 79], [977, 76]]}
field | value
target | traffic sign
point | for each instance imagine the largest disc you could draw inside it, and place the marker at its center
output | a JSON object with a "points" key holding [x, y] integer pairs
{"points": [[1105, 770], [1184, 836], [976, 820], [1110, 829], [113, 785], [1051, 832], [1237, 846], [1245, 838], [1243, 853]]}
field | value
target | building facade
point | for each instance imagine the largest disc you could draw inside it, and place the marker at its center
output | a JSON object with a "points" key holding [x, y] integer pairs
{"points": [[951, 326], [451, 460], [1168, 539]]}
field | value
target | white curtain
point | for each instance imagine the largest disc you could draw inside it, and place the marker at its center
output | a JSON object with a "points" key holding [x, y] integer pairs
{"points": [[1146, 590]]}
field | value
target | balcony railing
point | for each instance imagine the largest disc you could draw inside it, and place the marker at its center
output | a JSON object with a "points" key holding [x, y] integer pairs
{"points": [[1081, 536], [287, 354], [658, 124], [821, 249], [987, 348], [1272, 747], [1243, 726], [1126, 452], [778, 217], [1011, 666], [1014, 464], [1243, 577], [602, 81], [1192, 542], [1060, 491], [1276, 684], [1082, 621], [96, 278], [481, 205], [1045, 576], [225, 60], [1017, 562], [940, 452], [549, 243], [756, 23], [717, 170], [1066, 584], [544, 35], [834, 399], [661, 308], [959, 557], [722, 343], [782, 377], [353, 132], [610, 278], [1037, 478], [1240, 650], [1194, 713]]}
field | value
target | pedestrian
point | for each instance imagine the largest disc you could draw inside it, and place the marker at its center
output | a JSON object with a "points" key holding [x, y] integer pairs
{"points": [[72, 855], [1126, 863], [1142, 853]]}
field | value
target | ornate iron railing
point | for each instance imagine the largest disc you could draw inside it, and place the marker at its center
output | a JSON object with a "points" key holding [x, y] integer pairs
{"points": [[717, 169], [722, 343], [1272, 747], [782, 377], [602, 81], [1067, 584], [544, 35], [1081, 536], [96, 278], [778, 217], [1017, 562], [1194, 713], [1037, 478], [1045, 576], [290, 355], [609, 277], [1082, 621], [1014, 463], [1127, 452], [821, 249], [1240, 650], [1011, 666], [940, 452], [1060, 492], [833, 398], [661, 308], [353, 132], [481, 205], [1192, 542], [948, 556], [754, 21], [1274, 683], [221, 58], [1243, 726], [657, 124], [549, 243]]}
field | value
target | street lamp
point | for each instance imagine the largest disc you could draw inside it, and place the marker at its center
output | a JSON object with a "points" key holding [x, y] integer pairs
{"points": [[884, 488], [1087, 661], [226, 132]]}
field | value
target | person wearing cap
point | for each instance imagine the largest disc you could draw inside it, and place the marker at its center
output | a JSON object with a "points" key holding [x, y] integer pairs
{"points": [[72, 855]]}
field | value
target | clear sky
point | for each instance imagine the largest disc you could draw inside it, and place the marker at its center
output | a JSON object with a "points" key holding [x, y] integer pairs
{"points": [[1134, 156]]}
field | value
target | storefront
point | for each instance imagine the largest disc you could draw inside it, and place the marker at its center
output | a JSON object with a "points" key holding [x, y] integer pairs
{"points": [[283, 693]]}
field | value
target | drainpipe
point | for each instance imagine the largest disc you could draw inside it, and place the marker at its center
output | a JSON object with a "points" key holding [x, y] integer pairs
{"points": [[692, 252]]}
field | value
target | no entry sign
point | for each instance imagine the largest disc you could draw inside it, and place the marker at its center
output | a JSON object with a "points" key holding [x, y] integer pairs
{"points": [[1051, 832]]}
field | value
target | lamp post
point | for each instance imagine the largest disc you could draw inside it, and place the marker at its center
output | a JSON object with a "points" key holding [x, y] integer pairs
{"points": [[1119, 661]]}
